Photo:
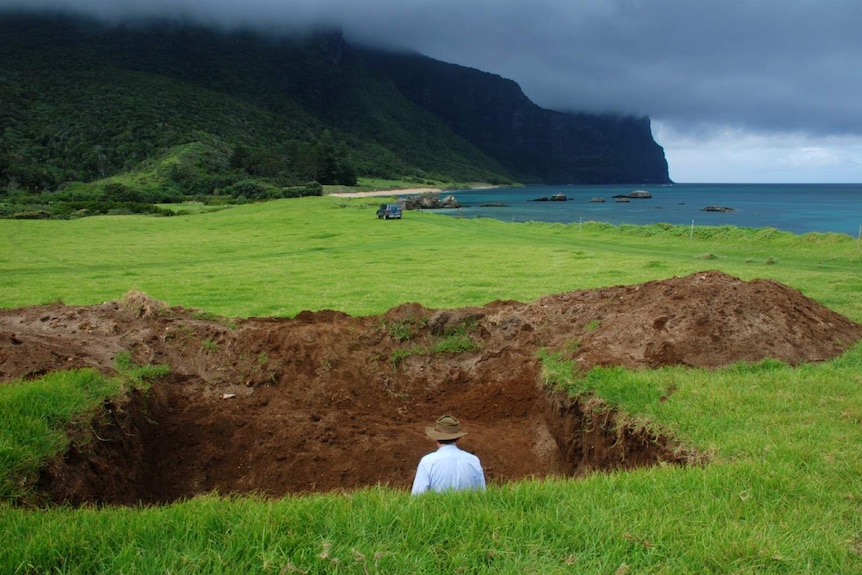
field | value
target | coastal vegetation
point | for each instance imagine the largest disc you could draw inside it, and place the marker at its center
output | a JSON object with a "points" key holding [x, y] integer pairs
{"points": [[779, 493]]}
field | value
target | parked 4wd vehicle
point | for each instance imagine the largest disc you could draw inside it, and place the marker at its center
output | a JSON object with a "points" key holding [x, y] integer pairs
{"points": [[389, 212]]}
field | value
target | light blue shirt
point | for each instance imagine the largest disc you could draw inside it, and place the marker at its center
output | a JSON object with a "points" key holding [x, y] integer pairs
{"points": [[447, 469]]}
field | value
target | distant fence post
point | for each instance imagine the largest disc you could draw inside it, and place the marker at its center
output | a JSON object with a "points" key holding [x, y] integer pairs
{"points": [[691, 233]]}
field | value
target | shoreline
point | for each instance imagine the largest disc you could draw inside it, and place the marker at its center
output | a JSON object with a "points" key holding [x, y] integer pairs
{"points": [[384, 193], [406, 191]]}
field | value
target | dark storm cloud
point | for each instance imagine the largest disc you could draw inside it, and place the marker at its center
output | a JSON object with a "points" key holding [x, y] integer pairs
{"points": [[767, 66], [770, 65]]}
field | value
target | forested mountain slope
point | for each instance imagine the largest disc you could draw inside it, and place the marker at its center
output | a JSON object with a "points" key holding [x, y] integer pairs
{"points": [[163, 110], [81, 101]]}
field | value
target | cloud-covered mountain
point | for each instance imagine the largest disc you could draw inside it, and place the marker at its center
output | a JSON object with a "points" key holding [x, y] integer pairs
{"points": [[86, 100]]}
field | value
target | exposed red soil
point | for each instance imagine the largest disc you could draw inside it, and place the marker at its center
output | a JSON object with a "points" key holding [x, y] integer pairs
{"points": [[325, 401]]}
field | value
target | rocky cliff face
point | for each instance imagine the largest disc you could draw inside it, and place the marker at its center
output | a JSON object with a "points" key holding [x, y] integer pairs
{"points": [[536, 145]]}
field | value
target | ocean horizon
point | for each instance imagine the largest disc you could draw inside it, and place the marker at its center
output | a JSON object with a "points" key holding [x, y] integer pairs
{"points": [[796, 208]]}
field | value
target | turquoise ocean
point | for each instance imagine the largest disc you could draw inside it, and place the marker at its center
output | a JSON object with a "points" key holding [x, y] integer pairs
{"points": [[797, 208]]}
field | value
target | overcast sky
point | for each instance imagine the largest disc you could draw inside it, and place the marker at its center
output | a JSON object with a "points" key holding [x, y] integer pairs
{"points": [[738, 91]]}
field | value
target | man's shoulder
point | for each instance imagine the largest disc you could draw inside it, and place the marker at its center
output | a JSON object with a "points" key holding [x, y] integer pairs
{"points": [[430, 456], [457, 453], [470, 456]]}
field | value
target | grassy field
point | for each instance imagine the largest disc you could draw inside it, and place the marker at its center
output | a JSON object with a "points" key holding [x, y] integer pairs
{"points": [[282, 257], [781, 494]]}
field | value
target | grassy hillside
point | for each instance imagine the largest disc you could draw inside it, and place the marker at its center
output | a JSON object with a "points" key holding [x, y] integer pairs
{"points": [[781, 493], [81, 102]]}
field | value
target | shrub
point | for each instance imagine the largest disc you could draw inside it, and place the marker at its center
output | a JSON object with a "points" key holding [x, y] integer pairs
{"points": [[309, 189], [250, 189]]}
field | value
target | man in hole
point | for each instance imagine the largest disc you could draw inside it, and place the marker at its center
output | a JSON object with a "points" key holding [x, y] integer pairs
{"points": [[449, 468]]}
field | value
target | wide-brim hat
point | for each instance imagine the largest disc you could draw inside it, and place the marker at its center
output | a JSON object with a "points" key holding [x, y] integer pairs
{"points": [[445, 428]]}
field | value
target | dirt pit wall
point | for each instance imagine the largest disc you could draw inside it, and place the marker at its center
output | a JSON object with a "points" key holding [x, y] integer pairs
{"points": [[145, 451], [325, 401]]}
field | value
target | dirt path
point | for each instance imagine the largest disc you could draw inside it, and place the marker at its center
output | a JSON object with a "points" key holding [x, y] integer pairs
{"points": [[325, 401]]}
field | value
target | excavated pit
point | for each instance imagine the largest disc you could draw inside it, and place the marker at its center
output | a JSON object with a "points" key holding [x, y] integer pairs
{"points": [[149, 450], [328, 402]]}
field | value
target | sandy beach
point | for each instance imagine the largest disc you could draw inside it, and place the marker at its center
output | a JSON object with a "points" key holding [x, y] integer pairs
{"points": [[400, 192]]}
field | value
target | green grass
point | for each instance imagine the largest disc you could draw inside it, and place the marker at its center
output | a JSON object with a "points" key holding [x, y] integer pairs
{"points": [[279, 258], [454, 340], [35, 420], [781, 491], [784, 447], [37, 416]]}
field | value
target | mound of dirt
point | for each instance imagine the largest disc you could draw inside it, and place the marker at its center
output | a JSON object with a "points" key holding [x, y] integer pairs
{"points": [[325, 401]]}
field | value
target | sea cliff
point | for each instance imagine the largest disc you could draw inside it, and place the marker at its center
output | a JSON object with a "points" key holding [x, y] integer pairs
{"points": [[535, 144]]}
